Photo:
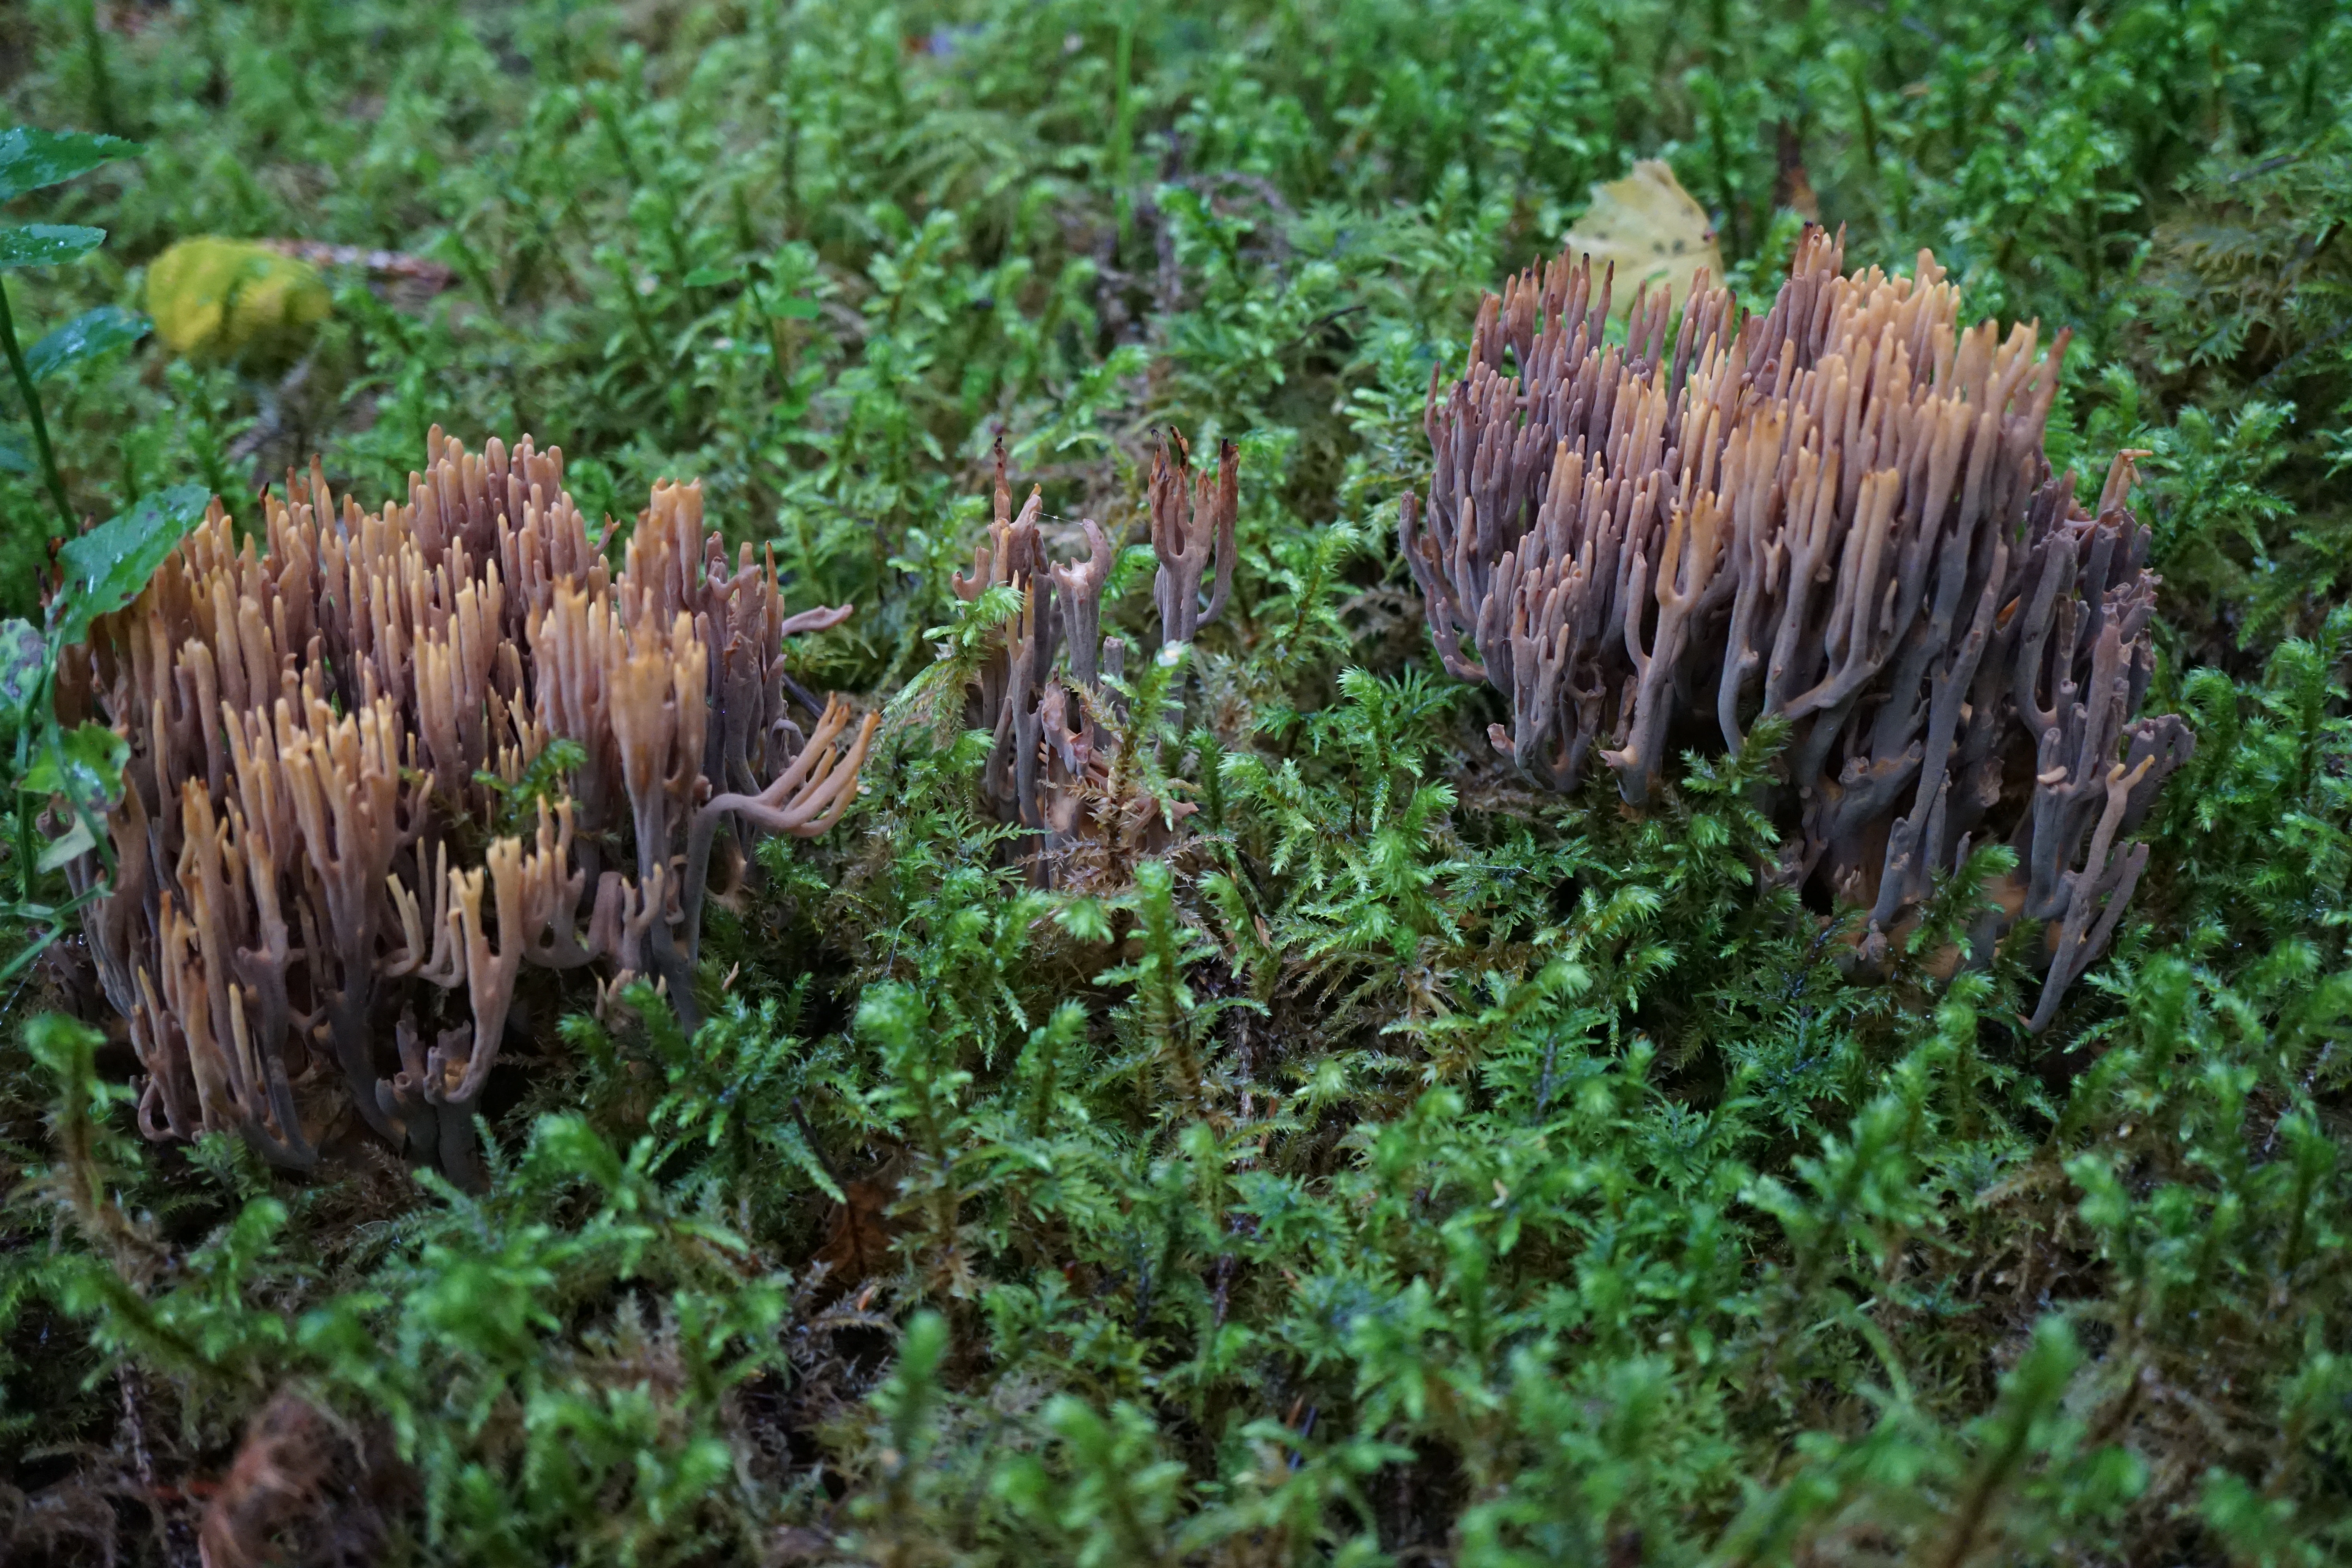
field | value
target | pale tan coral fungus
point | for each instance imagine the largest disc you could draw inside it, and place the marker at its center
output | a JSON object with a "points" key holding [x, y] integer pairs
{"points": [[314, 716], [1838, 513]]}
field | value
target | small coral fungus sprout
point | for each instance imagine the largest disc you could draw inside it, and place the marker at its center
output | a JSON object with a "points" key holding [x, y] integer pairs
{"points": [[1838, 513], [324, 722], [1057, 766]]}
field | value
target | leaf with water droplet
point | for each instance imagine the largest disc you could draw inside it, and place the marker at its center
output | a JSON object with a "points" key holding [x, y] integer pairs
{"points": [[88, 336], [105, 568], [47, 244], [31, 158]]}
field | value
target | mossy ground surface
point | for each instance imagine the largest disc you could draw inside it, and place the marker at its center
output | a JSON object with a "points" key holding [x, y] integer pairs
{"points": [[1414, 1169]]}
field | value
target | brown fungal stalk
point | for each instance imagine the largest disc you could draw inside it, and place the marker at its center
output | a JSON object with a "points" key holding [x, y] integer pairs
{"points": [[1838, 513], [324, 718]]}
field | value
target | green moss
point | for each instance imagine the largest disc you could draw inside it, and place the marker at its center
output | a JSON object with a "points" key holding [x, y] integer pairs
{"points": [[1409, 1170]]}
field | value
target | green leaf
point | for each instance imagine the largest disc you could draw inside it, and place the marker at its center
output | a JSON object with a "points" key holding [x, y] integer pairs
{"points": [[84, 764], [23, 672], [31, 158], [78, 840], [47, 244], [15, 453], [88, 336], [711, 277], [105, 568], [794, 310], [24, 655]]}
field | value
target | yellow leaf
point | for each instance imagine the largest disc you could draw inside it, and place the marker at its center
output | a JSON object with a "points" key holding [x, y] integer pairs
{"points": [[1651, 229], [214, 297]]}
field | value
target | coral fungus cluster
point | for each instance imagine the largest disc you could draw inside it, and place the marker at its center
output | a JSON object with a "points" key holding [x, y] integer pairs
{"points": [[327, 722], [1838, 513], [1055, 766]]}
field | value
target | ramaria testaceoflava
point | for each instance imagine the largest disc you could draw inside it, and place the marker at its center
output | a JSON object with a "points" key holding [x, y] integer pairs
{"points": [[1838, 513], [1055, 766], [321, 716]]}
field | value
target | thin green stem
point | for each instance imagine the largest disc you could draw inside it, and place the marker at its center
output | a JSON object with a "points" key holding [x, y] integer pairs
{"points": [[33, 414], [1122, 133], [101, 80]]}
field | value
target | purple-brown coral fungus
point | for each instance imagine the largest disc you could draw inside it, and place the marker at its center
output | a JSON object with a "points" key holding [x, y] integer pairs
{"points": [[325, 717], [1838, 513], [1055, 767]]}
